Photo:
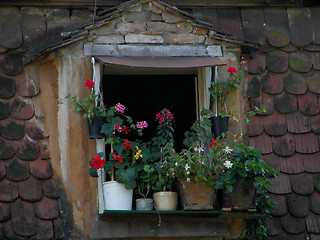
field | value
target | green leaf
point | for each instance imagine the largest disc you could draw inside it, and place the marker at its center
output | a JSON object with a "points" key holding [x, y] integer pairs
{"points": [[93, 172]]}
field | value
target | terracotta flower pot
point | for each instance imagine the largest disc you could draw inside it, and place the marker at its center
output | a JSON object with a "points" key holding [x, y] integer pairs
{"points": [[165, 200], [196, 196], [242, 198]]}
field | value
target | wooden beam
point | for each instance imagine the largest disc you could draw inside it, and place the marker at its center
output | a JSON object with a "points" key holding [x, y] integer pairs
{"points": [[178, 3]]}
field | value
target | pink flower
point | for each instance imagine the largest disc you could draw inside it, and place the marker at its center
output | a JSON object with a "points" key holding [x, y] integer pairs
{"points": [[120, 108], [142, 124], [89, 83], [232, 70]]}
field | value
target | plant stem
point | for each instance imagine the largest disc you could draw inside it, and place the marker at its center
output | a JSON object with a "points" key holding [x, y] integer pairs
{"points": [[112, 168]]}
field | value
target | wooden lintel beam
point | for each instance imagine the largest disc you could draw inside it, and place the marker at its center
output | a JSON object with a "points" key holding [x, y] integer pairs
{"points": [[178, 3]]}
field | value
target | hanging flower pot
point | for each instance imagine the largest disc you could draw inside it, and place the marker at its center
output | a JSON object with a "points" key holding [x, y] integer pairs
{"points": [[242, 198], [166, 200], [196, 196], [219, 125], [116, 196], [94, 127]]}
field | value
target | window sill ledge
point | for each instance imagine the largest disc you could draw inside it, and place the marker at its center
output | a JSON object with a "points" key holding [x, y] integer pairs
{"points": [[136, 224]]}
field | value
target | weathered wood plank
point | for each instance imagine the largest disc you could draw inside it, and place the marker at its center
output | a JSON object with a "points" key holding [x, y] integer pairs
{"points": [[178, 3]]}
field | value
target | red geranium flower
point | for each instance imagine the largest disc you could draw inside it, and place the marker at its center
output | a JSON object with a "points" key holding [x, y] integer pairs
{"points": [[232, 70], [125, 129], [97, 162], [213, 143], [126, 144], [117, 158], [89, 83]]}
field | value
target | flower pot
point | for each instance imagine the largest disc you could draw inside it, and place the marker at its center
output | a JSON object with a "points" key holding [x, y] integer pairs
{"points": [[116, 196], [145, 204], [242, 198], [165, 200], [219, 125], [196, 196], [94, 127]]}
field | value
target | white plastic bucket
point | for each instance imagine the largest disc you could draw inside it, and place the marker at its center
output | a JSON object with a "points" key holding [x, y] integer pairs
{"points": [[116, 196]]}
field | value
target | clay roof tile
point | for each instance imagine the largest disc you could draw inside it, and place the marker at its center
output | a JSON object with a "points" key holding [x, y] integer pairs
{"points": [[302, 183], [300, 25], [281, 184], [6, 149], [311, 162], [280, 208], [294, 83], [2, 169], [316, 181], [285, 102], [17, 170], [306, 143], [298, 205], [13, 129], [5, 211], [275, 124], [315, 202], [263, 100], [298, 123], [45, 229], [47, 208], [292, 164], [313, 223], [312, 78], [11, 63], [258, 64], [262, 143], [26, 149], [284, 145], [255, 128], [293, 224], [230, 22], [8, 88], [272, 160], [273, 224], [277, 26], [27, 82], [21, 108], [9, 190], [24, 221], [315, 18], [4, 109], [30, 189], [277, 61], [308, 103], [300, 61], [272, 83], [41, 169]]}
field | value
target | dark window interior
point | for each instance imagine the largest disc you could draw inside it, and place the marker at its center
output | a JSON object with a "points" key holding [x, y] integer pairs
{"points": [[145, 95]]}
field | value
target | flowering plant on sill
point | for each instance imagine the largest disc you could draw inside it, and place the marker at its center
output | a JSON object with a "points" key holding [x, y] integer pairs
{"points": [[161, 146], [126, 157], [90, 106]]}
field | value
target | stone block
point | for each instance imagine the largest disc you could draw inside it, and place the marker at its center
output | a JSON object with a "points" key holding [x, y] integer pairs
{"points": [[143, 38], [200, 31], [130, 27], [173, 38], [169, 27], [140, 17], [109, 28], [153, 7], [171, 18], [109, 39]]}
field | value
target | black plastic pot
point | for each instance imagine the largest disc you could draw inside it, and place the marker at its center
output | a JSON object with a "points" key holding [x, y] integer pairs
{"points": [[219, 125], [94, 127]]}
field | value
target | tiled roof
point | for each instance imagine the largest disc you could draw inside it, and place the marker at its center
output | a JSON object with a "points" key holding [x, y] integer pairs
{"points": [[284, 76]]}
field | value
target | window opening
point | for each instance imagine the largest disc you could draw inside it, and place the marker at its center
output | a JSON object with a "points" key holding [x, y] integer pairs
{"points": [[145, 95]]}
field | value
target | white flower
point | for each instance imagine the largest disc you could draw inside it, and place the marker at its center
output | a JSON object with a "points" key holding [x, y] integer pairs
{"points": [[228, 164], [176, 164], [186, 167], [188, 172], [199, 149], [188, 179], [227, 149]]}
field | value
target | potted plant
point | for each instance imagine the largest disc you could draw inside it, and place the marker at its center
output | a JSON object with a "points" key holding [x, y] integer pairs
{"points": [[246, 175], [220, 90], [92, 109], [124, 160], [146, 179], [195, 167], [161, 147]]}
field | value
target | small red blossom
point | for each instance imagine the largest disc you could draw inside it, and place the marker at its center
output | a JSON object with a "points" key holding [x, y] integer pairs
{"points": [[213, 143], [89, 83], [125, 129], [117, 158], [53, 85], [118, 127], [126, 144], [232, 70], [97, 162]]}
